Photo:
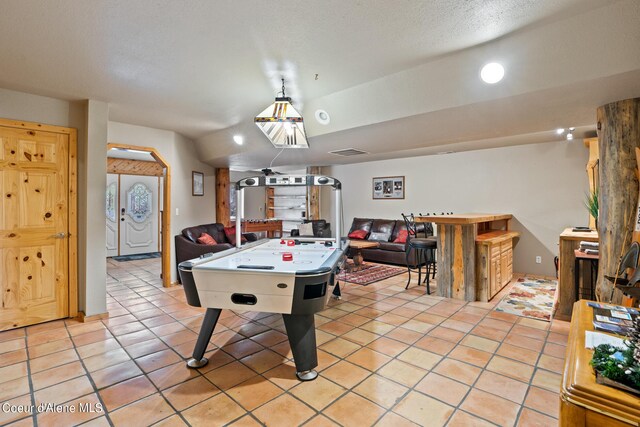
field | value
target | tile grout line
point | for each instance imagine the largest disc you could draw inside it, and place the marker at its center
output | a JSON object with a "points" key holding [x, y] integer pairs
{"points": [[274, 326]]}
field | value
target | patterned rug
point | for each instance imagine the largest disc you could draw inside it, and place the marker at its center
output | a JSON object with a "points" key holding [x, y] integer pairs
{"points": [[370, 273], [530, 298]]}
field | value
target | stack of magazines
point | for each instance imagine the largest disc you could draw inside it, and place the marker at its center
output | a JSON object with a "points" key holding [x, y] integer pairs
{"points": [[613, 318], [590, 248]]}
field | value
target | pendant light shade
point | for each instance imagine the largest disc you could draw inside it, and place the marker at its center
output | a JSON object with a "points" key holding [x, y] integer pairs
{"points": [[282, 124]]}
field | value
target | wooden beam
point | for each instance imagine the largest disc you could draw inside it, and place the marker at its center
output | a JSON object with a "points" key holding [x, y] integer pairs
{"points": [[313, 195], [222, 196], [618, 136], [133, 167]]}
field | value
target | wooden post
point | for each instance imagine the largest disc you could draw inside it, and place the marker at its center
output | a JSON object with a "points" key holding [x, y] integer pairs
{"points": [[313, 195], [618, 136], [222, 196]]}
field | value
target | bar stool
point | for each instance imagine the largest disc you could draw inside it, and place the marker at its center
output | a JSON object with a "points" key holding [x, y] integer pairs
{"points": [[424, 249]]}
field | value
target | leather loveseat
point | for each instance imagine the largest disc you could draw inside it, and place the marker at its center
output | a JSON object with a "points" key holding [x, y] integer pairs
{"points": [[187, 246], [388, 251], [321, 228]]}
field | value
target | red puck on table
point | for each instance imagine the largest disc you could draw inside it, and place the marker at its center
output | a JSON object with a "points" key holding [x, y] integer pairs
{"points": [[282, 242], [287, 256], [291, 243]]}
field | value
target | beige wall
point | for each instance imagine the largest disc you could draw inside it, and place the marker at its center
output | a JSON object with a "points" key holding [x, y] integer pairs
{"points": [[542, 185], [34, 108], [181, 155], [90, 119]]}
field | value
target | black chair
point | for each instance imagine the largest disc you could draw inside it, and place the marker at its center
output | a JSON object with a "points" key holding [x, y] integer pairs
{"points": [[424, 248]]}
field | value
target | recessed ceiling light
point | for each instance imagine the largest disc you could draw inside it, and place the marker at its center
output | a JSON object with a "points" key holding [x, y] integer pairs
{"points": [[238, 139], [322, 117], [559, 131], [492, 73]]}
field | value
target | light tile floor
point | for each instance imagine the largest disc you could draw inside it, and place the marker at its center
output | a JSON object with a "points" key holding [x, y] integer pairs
{"points": [[388, 357]]}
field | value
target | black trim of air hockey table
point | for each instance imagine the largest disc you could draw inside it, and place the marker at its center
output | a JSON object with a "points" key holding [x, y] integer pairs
{"points": [[300, 327], [301, 332]]}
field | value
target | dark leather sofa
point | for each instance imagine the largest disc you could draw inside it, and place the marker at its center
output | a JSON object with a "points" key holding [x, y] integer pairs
{"points": [[187, 246], [321, 228], [388, 252]]}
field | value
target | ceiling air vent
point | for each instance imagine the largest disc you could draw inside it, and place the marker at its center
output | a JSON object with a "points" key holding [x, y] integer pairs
{"points": [[348, 152]]}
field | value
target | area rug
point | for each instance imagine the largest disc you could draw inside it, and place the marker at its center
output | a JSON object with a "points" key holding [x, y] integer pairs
{"points": [[137, 257], [530, 298], [370, 273]]}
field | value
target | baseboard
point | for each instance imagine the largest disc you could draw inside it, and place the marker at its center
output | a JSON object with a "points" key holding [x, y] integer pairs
{"points": [[84, 318]]}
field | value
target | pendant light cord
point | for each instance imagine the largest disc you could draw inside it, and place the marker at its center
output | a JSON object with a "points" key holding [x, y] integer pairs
{"points": [[274, 159]]}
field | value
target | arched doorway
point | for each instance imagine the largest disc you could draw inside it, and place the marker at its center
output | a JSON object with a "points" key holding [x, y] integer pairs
{"points": [[165, 218]]}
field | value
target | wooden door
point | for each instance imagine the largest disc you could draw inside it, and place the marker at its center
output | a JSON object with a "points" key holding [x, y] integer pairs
{"points": [[34, 226], [138, 214], [111, 214]]}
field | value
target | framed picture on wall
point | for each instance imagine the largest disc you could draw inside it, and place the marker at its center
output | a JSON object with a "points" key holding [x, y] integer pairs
{"points": [[388, 187], [197, 183]]}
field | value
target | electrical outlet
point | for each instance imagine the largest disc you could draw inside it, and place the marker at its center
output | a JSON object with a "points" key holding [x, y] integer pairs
{"points": [[538, 260], [177, 211]]}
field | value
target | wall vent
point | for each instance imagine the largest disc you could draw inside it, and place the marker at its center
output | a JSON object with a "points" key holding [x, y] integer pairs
{"points": [[348, 152]]}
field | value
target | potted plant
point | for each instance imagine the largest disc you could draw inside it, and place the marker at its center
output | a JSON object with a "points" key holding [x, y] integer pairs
{"points": [[591, 204]]}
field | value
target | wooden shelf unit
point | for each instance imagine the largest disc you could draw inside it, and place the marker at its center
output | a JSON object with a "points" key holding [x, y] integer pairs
{"points": [[494, 262], [566, 293]]}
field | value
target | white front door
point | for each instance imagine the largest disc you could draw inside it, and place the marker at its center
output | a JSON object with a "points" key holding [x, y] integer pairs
{"points": [[111, 212], [138, 214]]}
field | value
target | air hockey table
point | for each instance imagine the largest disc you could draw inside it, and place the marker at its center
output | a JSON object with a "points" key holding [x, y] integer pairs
{"points": [[291, 277]]}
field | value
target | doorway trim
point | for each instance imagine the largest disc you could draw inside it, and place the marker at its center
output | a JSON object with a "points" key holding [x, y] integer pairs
{"points": [[72, 214], [166, 207]]}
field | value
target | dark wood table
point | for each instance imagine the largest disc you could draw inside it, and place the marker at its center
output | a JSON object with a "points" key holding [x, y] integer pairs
{"points": [[359, 245], [263, 225]]}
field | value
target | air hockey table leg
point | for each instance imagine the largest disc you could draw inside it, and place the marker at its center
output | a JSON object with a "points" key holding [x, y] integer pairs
{"points": [[206, 330], [301, 330], [336, 294]]}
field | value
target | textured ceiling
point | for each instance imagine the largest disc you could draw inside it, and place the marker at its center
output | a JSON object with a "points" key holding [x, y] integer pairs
{"points": [[395, 76]]}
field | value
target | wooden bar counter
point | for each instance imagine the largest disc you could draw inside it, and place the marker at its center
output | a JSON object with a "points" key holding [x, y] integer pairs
{"points": [[583, 402], [474, 257], [569, 242]]}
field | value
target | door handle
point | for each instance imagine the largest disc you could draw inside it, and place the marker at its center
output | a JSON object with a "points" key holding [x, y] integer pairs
{"points": [[61, 235]]}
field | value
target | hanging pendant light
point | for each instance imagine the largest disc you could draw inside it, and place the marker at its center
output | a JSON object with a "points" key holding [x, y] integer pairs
{"points": [[282, 124]]}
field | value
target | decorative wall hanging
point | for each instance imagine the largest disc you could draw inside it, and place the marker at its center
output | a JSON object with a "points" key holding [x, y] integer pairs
{"points": [[388, 187], [197, 183]]}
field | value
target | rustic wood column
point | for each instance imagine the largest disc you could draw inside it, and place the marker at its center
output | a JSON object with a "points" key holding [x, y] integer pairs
{"points": [[618, 136], [456, 261], [222, 196], [313, 195]]}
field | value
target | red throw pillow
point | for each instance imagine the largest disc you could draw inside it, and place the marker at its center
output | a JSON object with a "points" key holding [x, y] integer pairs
{"points": [[402, 237], [230, 232], [358, 234], [206, 239]]}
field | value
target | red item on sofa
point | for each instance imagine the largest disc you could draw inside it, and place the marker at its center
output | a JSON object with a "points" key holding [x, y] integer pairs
{"points": [[358, 234], [402, 237], [206, 239], [230, 232]]}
